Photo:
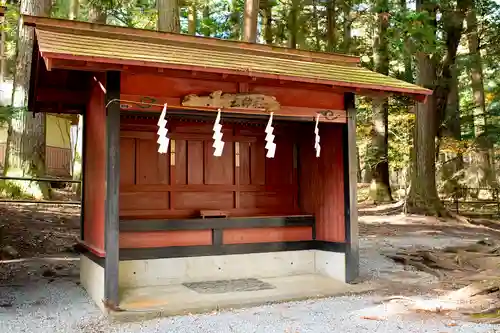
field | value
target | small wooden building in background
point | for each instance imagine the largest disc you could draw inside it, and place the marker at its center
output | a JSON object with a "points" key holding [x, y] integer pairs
{"points": [[150, 218], [58, 145]]}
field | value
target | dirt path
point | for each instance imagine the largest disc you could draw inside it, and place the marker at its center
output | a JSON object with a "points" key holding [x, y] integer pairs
{"points": [[38, 230], [43, 237]]}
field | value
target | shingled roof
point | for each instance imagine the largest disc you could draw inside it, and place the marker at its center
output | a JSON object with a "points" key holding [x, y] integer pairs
{"points": [[70, 40]]}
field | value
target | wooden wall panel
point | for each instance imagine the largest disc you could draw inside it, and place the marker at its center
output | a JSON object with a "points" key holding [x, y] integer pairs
{"points": [[258, 163], [195, 162], [322, 183], [189, 127], [244, 167], [127, 161], [58, 161], [219, 170], [263, 235], [302, 97], [198, 180], [279, 170], [165, 238], [202, 200], [271, 200], [152, 168], [144, 200], [159, 85], [181, 162]]}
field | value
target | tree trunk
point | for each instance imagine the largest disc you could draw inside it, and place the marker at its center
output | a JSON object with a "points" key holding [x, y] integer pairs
{"points": [[346, 12], [318, 33], [2, 55], [205, 28], [76, 168], [293, 24], [168, 15], [74, 9], [331, 26], [407, 53], [25, 156], [250, 21], [486, 176], [423, 197], [235, 20], [347, 35], [267, 22], [97, 13], [358, 163], [452, 165], [192, 18], [377, 160]]}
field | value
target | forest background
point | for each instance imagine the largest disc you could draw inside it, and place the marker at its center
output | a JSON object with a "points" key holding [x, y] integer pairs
{"points": [[417, 153]]}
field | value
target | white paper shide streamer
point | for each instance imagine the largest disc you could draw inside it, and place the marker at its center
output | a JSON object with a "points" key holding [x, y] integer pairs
{"points": [[270, 145], [218, 143], [162, 132], [316, 139]]}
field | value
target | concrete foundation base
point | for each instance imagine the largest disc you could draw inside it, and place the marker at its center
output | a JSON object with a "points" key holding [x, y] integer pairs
{"points": [[92, 279], [158, 272], [331, 264], [156, 285]]}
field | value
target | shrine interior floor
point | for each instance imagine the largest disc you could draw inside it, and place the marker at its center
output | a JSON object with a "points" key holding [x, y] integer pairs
{"points": [[177, 299]]}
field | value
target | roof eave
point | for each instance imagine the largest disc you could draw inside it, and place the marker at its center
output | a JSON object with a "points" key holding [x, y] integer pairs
{"points": [[92, 62]]}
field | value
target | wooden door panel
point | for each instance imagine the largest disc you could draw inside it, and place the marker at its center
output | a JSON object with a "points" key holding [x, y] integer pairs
{"points": [[258, 163], [219, 170], [127, 161], [152, 167], [195, 162]]}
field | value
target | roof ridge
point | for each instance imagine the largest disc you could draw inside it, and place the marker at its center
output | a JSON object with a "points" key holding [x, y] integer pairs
{"points": [[125, 33]]}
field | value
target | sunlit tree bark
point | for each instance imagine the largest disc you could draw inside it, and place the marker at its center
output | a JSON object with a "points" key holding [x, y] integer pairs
{"points": [[168, 15], [25, 155], [377, 160]]}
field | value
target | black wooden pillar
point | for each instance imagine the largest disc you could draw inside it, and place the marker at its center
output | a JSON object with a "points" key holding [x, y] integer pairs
{"points": [[350, 188], [111, 226]]}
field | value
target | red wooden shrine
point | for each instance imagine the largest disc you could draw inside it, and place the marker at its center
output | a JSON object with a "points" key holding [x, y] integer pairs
{"points": [[141, 206]]}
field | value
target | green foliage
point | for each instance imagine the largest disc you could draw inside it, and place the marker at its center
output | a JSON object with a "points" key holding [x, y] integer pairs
{"points": [[6, 112], [409, 33], [11, 190]]}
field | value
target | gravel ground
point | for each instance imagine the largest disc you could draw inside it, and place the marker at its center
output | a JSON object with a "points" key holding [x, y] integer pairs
{"points": [[32, 303], [62, 306]]}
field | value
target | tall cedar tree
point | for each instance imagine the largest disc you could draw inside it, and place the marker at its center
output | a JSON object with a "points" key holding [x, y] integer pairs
{"points": [[487, 174], [25, 155], [168, 15], [250, 21], [429, 115], [377, 160]]}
